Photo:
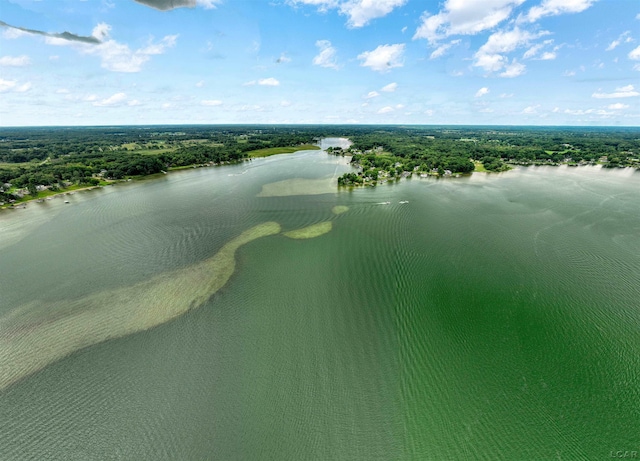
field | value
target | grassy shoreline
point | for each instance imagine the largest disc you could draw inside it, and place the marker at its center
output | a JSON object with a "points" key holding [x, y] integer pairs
{"points": [[280, 150]]}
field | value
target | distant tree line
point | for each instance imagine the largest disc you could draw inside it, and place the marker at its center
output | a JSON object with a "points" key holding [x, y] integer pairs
{"points": [[58, 157]]}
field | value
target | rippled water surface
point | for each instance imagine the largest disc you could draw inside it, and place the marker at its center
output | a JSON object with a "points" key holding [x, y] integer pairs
{"points": [[256, 312]]}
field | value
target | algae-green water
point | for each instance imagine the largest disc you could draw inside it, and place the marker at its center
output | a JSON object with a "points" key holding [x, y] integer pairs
{"points": [[495, 316]]}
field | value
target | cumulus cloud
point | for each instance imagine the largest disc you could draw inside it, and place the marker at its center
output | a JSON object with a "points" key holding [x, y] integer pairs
{"points": [[15, 61], [587, 112], [360, 12], [113, 100], [623, 92], [385, 110], [533, 51], [442, 49], [326, 56], [491, 56], [283, 59], [625, 37], [164, 5], [482, 91], [13, 86], [464, 17], [268, 82], [635, 54], [383, 58], [372, 94], [531, 109], [211, 102], [390, 88], [116, 56], [67, 36], [618, 106], [557, 7], [514, 69]]}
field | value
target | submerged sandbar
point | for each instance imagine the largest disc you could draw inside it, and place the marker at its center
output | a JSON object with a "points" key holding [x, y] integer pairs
{"points": [[39, 333], [312, 231]]}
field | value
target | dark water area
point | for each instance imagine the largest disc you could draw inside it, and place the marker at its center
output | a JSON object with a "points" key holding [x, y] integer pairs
{"points": [[485, 317]]}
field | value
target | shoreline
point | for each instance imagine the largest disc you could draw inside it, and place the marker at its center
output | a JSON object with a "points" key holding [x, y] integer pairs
{"points": [[22, 204]]}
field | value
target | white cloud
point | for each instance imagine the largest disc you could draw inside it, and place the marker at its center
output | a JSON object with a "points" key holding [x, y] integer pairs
{"points": [[465, 17], [390, 88], [635, 54], [211, 102], [327, 55], [12, 85], [372, 94], [383, 58], [115, 56], [200, 84], [283, 59], [385, 110], [531, 52], [531, 109], [491, 57], [557, 7], [285, 103], [548, 56], [622, 92], [514, 69], [587, 112], [569, 73], [111, 100], [360, 12], [625, 37], [442, 49], [482, 91], [15, 61], [11, 33], [134, 102], [6, 85], [618, 106], [268, 82]]}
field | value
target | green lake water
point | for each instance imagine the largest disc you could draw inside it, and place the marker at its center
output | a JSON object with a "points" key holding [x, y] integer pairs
{"points": [[235, 313]]}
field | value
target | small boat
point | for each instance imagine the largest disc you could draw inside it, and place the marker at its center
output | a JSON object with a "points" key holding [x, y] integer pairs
{"points": [[403, 201]]}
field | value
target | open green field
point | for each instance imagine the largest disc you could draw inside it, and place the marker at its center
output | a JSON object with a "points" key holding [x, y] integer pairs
{"points": [[281, 150], [479, 167]]}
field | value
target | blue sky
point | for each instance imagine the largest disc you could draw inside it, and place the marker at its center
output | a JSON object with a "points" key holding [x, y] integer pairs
{"points": [[479, 62]]}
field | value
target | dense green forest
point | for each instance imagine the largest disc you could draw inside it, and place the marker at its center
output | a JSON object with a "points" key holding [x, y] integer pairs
{"points": [[387, 152], [39, 161]]}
